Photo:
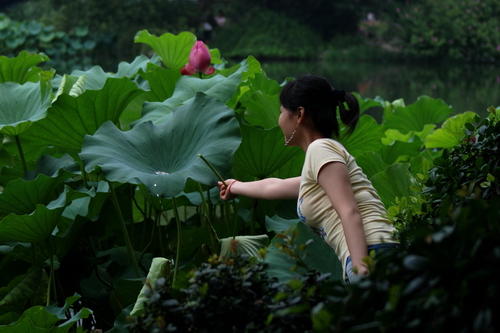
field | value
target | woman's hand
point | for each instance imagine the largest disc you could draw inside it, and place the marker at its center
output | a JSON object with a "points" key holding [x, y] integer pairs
{"points": [[361, 270], [225, 192]]}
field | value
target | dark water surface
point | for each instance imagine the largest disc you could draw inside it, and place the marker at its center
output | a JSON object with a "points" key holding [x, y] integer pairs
{"points": [[466, 87]]}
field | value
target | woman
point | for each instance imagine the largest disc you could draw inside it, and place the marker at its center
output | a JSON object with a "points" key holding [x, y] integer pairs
{"points": [[334, 196]]}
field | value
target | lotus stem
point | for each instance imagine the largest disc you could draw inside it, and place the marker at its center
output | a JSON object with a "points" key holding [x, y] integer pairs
{"points": [[213, 169], [21, 154], [179, 235], [128, 243], [204, 204]]}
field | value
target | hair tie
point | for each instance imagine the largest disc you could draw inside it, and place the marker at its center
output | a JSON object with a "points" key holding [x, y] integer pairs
{"points": [[338, 94]]}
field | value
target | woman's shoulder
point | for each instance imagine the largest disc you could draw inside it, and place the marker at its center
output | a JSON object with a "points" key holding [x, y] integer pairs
{"points": [[326, 143]]}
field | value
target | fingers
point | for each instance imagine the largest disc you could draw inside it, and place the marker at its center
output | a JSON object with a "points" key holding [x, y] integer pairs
{"points": [[223, 191]]}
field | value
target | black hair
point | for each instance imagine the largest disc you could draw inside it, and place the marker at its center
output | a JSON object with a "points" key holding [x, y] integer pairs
{"points": [[316, 95]]}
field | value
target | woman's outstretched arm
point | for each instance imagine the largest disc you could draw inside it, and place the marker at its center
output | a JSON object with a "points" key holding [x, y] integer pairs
{"points": [[268, 189]]}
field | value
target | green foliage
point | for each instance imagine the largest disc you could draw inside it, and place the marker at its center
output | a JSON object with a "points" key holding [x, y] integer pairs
{"points": [[260, 32], [464, 30], [469, 170], [34, 37], [238, 290], [81, 154]]}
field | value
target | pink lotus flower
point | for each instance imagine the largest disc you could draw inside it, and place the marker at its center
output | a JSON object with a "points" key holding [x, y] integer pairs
{"points": [[199, 60]]}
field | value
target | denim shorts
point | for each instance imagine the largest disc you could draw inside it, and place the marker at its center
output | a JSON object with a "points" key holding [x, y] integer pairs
{"points": [[351, 277]]}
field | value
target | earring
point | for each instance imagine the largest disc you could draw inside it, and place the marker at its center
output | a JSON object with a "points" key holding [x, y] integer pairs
{"points": [[291, 136]]}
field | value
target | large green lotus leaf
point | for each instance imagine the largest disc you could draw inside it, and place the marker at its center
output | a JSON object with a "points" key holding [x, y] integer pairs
{"points": [[414, 117], [395, 181], [95, 78], [38, 225], [261, 110], [24, 289], [22, 68], [401, 151], [366, 136], [21, 105], [247, 244], [22, 197], [160, 267], [164, 156], [253, 80], [141, 62], [161, 81], [293, 167], [74, 117], [39, 319], [278, 224], [392, 135], [173, 49], [261, 152], [317, 255], [261, 101], [371, 163], [450, 133], [218, 86], [365, 104]]}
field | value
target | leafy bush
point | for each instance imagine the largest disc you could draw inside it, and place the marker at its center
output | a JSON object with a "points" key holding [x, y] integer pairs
{"points": [[34, 37], [260, 32], [465, 30], [470, 170]]}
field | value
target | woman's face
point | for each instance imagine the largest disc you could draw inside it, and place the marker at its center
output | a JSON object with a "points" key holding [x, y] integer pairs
{"points": [[287, 121]]}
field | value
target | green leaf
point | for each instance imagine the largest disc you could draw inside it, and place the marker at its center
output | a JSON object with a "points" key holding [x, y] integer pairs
{"points": [[173, 49], [40, 224], [280, 263], [160, 267], [279, 224], [395, 181], [160, 156], [161, 81], [39, 319], [25, 289], [33, 192], [220, 87], [248, 244], [401, 151], [21, 106], [126, 69], [261, 101], [413, 117], [22, 68], [371, 163], [262, 152], [451, 131], [72, 118], [366, 136]]}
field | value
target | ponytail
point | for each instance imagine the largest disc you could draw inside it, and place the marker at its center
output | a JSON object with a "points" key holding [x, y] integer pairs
{"points": [[350, 115]]}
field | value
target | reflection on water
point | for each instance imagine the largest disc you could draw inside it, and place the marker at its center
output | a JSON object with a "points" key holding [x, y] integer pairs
{"points": [[465, 87]]}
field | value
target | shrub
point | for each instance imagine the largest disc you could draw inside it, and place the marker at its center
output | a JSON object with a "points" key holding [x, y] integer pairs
{"points": [[465, 30], [470, 170], [267, 34]]}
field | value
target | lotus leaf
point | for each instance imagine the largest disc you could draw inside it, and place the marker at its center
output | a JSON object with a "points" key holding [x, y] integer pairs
{"points": [[22, 68], [164, 156], [173, 50], [74, 117], [21, 105], [413, 117], [261, 153]]}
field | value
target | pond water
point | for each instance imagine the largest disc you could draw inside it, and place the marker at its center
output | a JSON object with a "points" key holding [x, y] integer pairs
{"points": [[466, 87]]}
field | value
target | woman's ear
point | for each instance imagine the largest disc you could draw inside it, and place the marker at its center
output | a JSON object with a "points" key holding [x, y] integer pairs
{"points": [[301, 113]]}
